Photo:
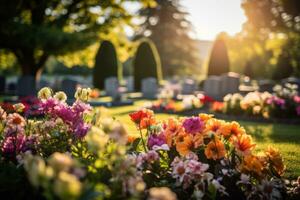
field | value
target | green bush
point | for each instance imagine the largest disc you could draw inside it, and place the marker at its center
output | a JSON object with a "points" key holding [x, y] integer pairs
{"points": [[146, 63], [106, 64], [219, 61]]}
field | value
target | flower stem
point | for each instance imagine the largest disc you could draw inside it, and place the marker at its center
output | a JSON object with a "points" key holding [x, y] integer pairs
{"points": [[142, 138]]}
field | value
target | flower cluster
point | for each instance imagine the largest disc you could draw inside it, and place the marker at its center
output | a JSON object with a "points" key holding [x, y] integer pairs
{"points": [[184, 103], [283, 103], [206, 158], [56, 107], [68, 152]]}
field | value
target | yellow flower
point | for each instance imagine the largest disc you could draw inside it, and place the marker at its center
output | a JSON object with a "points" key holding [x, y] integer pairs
{"points": [[60, 161], [45, 93], [215, 149], [19, 107], [161, 193], [67, 186], [96, 139], [82, 94], [256, 109], [275, 159], [35, 167], [60, 96]]}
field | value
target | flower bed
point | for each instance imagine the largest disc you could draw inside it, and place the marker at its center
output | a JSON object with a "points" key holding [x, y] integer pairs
{"points": [[284, 103], [74, 152], [183, 104]]}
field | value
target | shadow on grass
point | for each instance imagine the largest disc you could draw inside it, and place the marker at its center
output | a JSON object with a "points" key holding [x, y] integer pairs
{"points": [[276, 133]]}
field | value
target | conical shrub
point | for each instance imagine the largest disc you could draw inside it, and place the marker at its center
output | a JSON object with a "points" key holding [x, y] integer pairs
{"points": [[106, 64], [248, 70], [146, 63], [219, 61]]}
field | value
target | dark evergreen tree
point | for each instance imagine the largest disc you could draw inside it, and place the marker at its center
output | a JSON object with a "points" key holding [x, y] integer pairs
{"points": [[283, 69], [248, 70], [219, 60], [166, 25], [106, 64], [146, 63]]}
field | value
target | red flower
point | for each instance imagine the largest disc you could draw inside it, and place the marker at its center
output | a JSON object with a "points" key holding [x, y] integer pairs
{"points": [[137, 116], [206, 99]]}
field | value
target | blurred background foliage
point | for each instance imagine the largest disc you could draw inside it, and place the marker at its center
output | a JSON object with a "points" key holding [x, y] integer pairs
{"points": [[267, 46]]}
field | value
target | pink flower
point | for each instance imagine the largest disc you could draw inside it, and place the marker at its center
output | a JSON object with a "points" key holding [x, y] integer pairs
{"points": [[297, 99], [15, 124], [12, 144], [196, 168], [152, 156], [193, 125]]}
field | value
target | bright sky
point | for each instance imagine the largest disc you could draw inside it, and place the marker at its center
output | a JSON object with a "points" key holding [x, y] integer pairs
{"points": [[210, 17]]}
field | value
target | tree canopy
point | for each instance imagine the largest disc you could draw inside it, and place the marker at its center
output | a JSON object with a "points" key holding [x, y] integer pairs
{"points": [[34, 30]]}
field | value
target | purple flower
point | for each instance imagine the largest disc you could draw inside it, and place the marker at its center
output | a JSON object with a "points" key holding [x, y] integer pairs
{"points": [[65, 113], [81, 129], [193, 125], [156, 140], [47, 106], [81, 107], [277, 101]]}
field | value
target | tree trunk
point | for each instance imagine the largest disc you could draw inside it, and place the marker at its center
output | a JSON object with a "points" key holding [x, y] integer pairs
{"points": [[31, 66]]}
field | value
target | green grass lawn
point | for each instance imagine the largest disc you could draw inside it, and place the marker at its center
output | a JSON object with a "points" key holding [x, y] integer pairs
{"points": [[284, 137]]}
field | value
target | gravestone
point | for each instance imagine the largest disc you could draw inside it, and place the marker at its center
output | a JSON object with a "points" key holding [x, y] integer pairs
{"points": [[2, 84], [212, 87], [130, 84], [266, 85], [292, 80], [230, 83], [111, 86], [189, 86], [149, 88], [69, 86], [43, 83], [26, 86]]}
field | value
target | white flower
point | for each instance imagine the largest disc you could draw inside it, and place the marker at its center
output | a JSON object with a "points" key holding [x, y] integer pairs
{"points": [[163, 147]]}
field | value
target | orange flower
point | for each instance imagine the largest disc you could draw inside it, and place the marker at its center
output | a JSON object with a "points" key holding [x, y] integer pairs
{"points": [[172, 128], [275, 159], [131, 138], [198, 140], [243, 144], [146, 122], [252, 163], [236, 130], [205, 117], [215, 149], [184, 143], [225, 130], [217, 106], [213, 125]]}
